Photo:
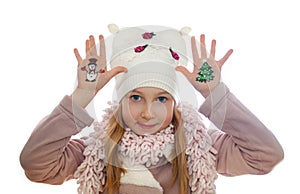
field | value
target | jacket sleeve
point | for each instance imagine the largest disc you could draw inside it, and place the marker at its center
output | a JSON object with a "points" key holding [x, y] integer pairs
{"points": [[244, 144], [50, 155]]}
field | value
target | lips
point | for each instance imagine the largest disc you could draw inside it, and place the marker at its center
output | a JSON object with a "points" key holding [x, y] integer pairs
{"points": [[146, 126]]}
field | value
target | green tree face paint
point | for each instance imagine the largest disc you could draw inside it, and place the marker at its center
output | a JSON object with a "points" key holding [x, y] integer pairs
{"points": [[205, 73]]}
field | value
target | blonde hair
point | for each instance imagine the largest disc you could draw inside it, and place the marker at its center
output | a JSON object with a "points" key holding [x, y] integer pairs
{"points": [[115, 132]]}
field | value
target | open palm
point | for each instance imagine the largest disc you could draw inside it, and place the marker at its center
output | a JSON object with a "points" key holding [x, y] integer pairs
{"points": [[92, 72], [206, 86]]}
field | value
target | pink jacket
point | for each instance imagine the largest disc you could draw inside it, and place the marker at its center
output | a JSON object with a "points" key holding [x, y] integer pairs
{"points": [[244, 145]]}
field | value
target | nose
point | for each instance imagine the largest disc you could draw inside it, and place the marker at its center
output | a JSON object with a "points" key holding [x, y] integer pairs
{"points": [[146, 112]]}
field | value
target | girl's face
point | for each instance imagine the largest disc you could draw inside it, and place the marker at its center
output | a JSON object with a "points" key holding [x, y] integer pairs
{"points": [[147, 110]]}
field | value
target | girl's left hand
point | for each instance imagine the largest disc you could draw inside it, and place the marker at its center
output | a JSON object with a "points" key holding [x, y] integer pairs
{"points": [[204, 87]]}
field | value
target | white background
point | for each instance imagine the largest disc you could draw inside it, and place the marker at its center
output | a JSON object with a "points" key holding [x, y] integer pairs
{"points": [[38, 68]]}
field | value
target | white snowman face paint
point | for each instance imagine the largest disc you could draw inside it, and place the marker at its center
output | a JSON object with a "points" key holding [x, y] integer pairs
{"points": [[91, 73], [92, 67], [91, 70]]}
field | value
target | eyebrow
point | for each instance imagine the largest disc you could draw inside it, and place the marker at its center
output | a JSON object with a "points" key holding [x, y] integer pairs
{"points": [[135, 91], [163, 92]]}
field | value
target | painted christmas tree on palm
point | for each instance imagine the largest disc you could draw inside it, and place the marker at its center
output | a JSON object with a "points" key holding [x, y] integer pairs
{"points": [[205, 73]]}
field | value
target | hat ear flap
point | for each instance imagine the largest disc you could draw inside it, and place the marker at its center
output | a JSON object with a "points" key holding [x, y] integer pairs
{"points": [[113, 28], [185, 30]]}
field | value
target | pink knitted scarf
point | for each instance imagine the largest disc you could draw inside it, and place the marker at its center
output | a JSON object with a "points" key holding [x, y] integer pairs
{"points": [[148, 150]]}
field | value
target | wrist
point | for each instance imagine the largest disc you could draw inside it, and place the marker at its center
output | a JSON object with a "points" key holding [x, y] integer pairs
{"points": [[205, 93], [82, 97], [207, 90]]}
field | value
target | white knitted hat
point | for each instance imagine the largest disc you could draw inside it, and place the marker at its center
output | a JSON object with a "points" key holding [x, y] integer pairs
{"points": [[150, 53]]}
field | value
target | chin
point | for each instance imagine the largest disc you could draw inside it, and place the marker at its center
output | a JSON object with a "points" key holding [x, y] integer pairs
{"points": [[145, 131]]}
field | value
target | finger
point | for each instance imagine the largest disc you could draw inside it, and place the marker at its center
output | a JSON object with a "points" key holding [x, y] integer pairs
{"points": [[116, 70], [77, 55], [93, 50], [202, 46], [87, 47], [194, 51], [184, 71], [224, 59], [102, 49], [213, 49]]}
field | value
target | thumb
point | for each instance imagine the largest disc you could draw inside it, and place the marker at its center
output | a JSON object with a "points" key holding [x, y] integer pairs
{"points": [[184, 71], [116, 70]]}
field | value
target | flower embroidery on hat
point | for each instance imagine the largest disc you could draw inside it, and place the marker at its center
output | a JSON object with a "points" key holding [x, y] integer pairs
{"points": [[174, 54], [148, 35], [139, 49]]}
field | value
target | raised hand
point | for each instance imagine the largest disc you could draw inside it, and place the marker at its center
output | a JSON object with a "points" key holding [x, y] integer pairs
{"points": [[206, 73], [92, 71]]}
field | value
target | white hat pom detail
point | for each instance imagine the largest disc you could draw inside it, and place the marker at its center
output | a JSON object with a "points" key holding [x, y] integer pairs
{"points": [[113, 28], [185, 30]]}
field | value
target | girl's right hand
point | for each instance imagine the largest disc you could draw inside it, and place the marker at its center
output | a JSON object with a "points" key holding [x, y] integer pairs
{"points": [[92, 74]]}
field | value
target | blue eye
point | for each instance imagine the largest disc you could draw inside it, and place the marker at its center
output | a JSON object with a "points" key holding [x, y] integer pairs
{"points": [[162, 99], [135, 97]]}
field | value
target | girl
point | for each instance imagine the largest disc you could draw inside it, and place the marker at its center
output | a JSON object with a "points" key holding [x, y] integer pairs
{"points": [[150, 140]]}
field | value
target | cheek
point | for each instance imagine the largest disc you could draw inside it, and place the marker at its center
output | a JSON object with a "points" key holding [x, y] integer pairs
{"points": [[130, 112], [164, 112], [160, 111], [169, 116]]}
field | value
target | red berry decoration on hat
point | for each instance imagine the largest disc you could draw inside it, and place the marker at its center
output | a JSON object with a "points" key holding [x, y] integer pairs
{"points": [[148, 35], [174, 54], [139, 49]]}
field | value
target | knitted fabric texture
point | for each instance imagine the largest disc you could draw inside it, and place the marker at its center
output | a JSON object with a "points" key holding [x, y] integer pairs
{"points": [[146, 150], [201, 161], [151, 59]]}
